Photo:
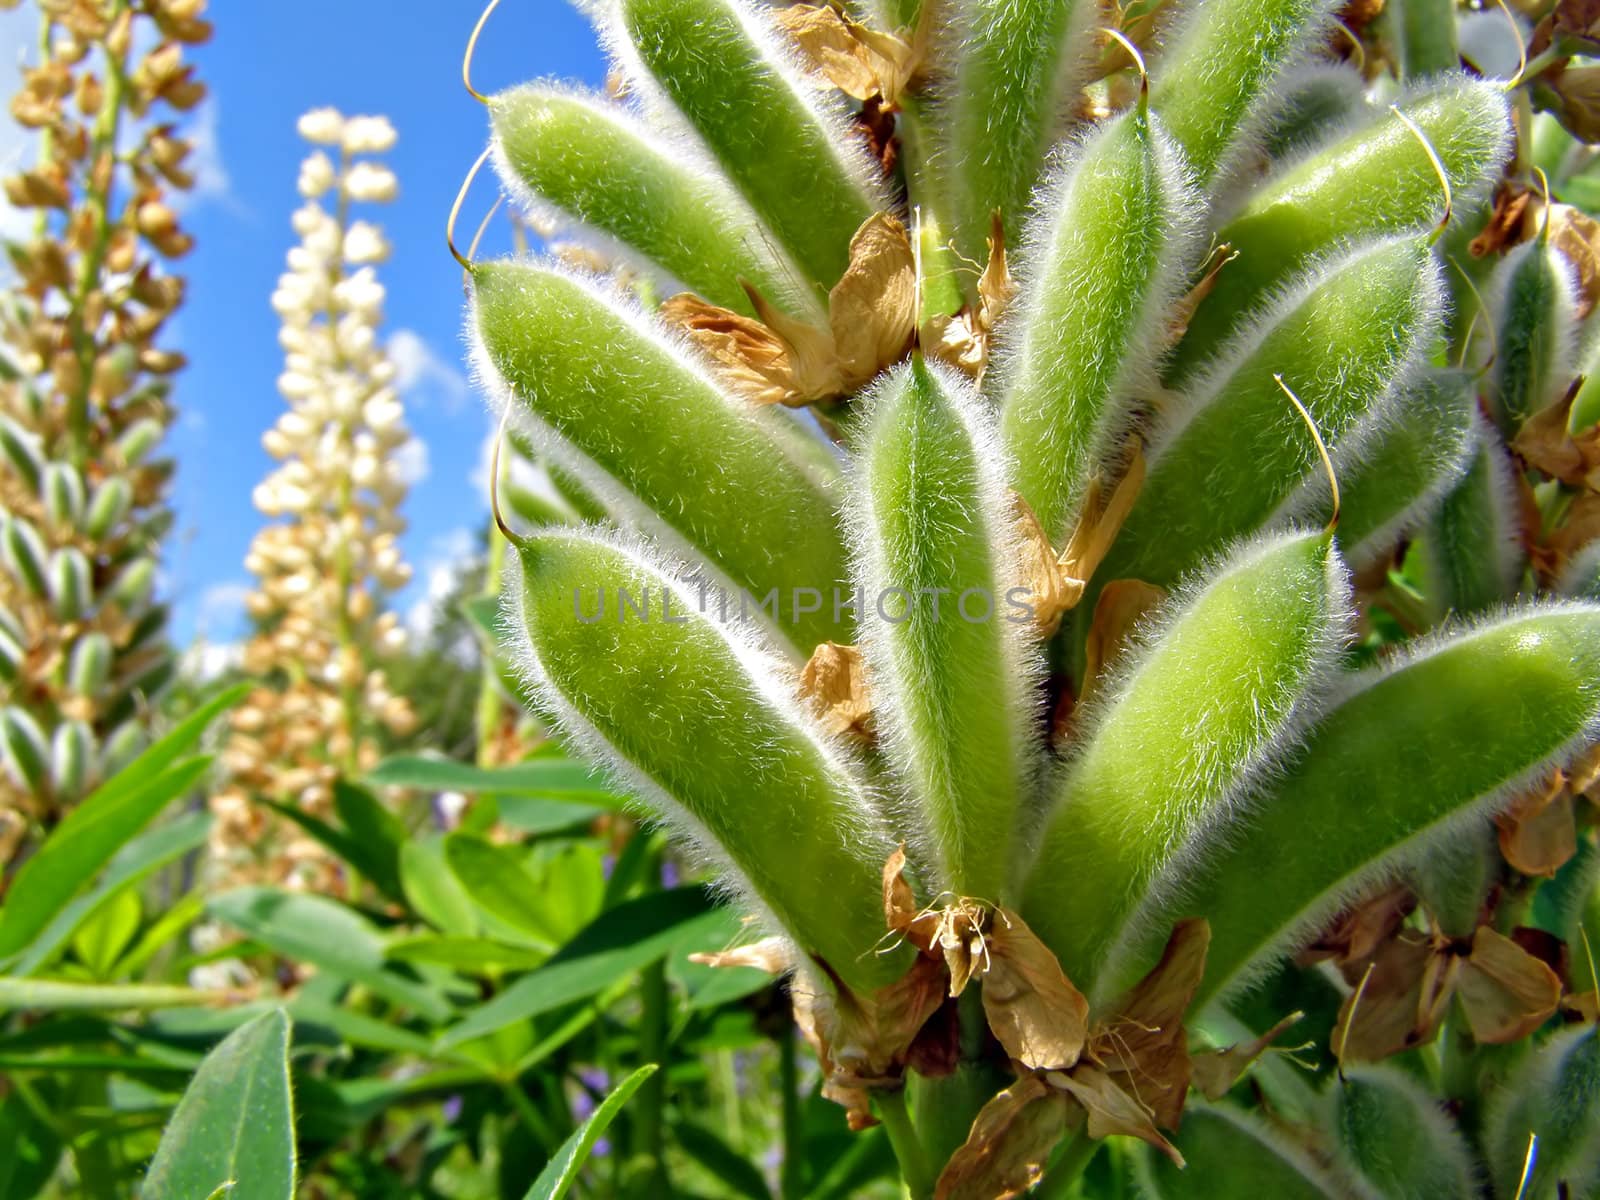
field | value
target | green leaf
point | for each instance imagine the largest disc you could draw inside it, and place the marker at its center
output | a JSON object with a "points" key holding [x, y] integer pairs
{"points": [[470, 954], [705, 726], [561, 779], [101, 939], [82, 844], [377, 830], [233, 1131], [497, 881], [788, 150], [135, 862], [953, 669], [618, 942], [634, 410], [328, 935], [1411, 753], [537, 816], [727, 1166], [32, 1150], [432, 889], [562, 1171]]}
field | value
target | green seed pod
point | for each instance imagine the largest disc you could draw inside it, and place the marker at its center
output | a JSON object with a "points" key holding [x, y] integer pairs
{"points": [[1092, 308], [124, 743], [1372, 181], [1232, 1153], [784, 142], [89, 664], [61, 489], [1396, 467], [71, 758], [71, 583], [568, 486], [1472, 555], [24, 554], [1320, 100], [1214, 83], [27, 750], [1533, 302], [135, 583], [11, 655], [139, 439], [110, 503], [1210, 701], [1422, 35], [1415, 752], [1232, 448], [595, 163], [20, 449], [945, 656], [533, 509], [638, 418], [1454, 880], [702, 727], [1554, 1094], [1394, 1137], [1018, 65]]}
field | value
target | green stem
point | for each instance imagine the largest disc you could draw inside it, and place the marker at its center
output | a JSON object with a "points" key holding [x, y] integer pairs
{"points": [[1076, 1154], [914, 1169], [486, 720], [530, 1116], [792, 1181]]}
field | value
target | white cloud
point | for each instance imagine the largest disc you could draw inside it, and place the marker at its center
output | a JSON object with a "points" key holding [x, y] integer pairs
{"points": [[205, 661], [17, 145], [421, 375], [440, 568], [211, 179], [411, 460], [221, 607]]}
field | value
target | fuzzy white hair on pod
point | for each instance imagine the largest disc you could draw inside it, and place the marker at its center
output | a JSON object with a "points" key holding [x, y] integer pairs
{"points": [[769, 681], [901, 744], [1211, 383], [1392, 865]]}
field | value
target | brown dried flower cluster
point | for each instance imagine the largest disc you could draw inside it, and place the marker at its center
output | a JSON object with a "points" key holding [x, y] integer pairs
{"points": [[324, 570], [85, 399]]}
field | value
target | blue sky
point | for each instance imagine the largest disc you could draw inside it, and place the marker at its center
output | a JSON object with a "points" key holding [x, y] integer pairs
{"points": [[270, 61]]}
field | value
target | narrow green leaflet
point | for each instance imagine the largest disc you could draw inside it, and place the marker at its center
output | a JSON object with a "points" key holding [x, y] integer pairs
{"points": [[496, 879], [562, 1171], [52, 995], [233, 1131], [542, 778]]}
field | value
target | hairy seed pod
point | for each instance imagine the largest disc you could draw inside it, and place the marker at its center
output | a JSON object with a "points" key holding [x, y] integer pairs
{"points": [[71, 758], [110, 503], [1216, 78], [1395, 1137], [89, 665], [1422, 34], [62, 491], [702, 728], [1415, 752], [1534, 305], [27, 750], [1320, 98], [597, 164], [944, 652], [783, 142], [1092, 308], [1017, 66], [1230, 1152], [1555, 1095], [21, 452], [1374, 180], [138, 440], [24, 554], [1396, 467], [135, 583], [1472, 554], [1217, 689], [71, 583], [641, 420], [571, 489], [1231, 448]]}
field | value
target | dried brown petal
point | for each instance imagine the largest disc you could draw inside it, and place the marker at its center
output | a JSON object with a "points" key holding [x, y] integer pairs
{"points": [[1037, 569], [1577, 236], [774, 955], [1538, 833], [1577, 91], [834, 685], [1183, 312], [861, 62], [750, 357], [1506, 992], [1398, 1003], [1033, 1009], [1544, 443], [1011, 1139], [901, 914], [1121, 606], [1215, 1073], [1359, 931], [1113, 1111], [872, 310], [1510, 223]]}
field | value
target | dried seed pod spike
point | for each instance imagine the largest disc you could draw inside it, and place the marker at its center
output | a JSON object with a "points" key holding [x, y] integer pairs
{"points": [[1355, 41], [1350, 1020], [1494, 337], [455, 212], [1544, 186], [1322, 449], [483, 226], [1138, 61], [1438, 168], [511, 536], [1532, 1155], [1522, 51], [472, 45]]}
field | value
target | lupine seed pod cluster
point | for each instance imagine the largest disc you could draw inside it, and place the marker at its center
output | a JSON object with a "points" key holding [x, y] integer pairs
{"points": [[331, 555], [86, 396], [1142, 613]]}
